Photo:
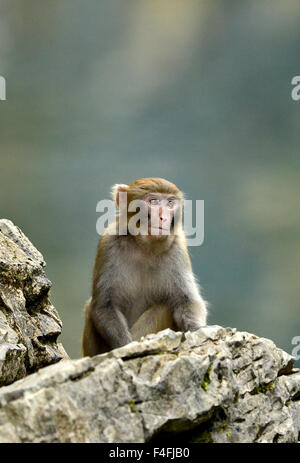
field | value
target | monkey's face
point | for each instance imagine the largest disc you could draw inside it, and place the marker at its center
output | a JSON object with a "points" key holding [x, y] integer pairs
{"points": [[159, 205], [163, 213]]}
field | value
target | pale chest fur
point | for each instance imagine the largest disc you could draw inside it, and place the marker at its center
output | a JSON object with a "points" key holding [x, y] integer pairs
{"points": [[140, 282]]}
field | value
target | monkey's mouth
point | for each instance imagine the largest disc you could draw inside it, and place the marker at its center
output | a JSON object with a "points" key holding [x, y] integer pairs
{"points": [[159, 229]]}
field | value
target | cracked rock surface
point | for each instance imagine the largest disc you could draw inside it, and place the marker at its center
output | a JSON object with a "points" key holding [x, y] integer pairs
{"points": [[29, 324], [213, 385]]}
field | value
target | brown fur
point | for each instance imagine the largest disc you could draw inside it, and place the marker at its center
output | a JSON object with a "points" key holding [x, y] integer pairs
{"points": [[141, 284], [153, 320]]}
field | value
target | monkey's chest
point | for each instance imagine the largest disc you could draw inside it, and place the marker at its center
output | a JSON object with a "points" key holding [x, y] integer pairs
{"points": [[138, 284], [136, 289]]}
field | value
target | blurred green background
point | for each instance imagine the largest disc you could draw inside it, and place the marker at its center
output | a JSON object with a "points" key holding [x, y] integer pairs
{"points": [[198, 92]]}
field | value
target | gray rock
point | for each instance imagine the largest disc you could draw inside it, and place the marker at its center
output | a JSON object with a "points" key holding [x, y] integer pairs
{"points": [[213, 385], [29, 324]]}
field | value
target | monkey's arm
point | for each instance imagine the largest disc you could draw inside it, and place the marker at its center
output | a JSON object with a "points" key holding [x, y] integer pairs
{"points": [[110, 324], [106, 316], [188, 307]]}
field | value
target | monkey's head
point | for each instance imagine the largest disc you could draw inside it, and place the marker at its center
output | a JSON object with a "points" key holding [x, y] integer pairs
{"points": [[159, 206]]}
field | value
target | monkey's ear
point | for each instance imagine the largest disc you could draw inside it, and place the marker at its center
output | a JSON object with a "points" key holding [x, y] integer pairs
{"points": [[116, 189]]}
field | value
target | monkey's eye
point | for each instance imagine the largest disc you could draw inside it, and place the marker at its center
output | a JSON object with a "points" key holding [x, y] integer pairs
{"points": [[153, 201], [171, 203]]}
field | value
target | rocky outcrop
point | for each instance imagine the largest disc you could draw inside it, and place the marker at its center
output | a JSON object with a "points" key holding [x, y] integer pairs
{"points": [[213, 385], [29, 324]]}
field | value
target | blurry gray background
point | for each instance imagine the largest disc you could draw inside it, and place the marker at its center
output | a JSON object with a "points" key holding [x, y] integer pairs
{"points": [[198, 92]]}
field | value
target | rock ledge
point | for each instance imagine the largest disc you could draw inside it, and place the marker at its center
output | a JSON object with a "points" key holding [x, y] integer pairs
{"points": [[213, 385]]}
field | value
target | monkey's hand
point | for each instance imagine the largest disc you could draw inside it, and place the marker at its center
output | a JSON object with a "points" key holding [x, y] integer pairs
{"points": [[190, 316], [111, 325]]}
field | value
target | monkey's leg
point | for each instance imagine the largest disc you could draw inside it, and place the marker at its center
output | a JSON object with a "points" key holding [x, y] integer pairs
{"points": [[154, 319], [92, 342]]}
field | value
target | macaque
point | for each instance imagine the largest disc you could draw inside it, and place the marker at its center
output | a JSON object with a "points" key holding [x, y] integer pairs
{"points": [[143, 280]]}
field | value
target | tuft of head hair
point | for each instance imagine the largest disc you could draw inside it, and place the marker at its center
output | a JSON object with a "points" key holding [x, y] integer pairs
{"points": [[116, 188], [143, 186]]}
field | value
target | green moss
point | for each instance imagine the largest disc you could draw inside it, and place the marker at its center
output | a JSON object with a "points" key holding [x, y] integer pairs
{"points": [[132, 406], [206, 380], [177, 426], [262, 388], [205, 437], [222, 427], [228, 434]]}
